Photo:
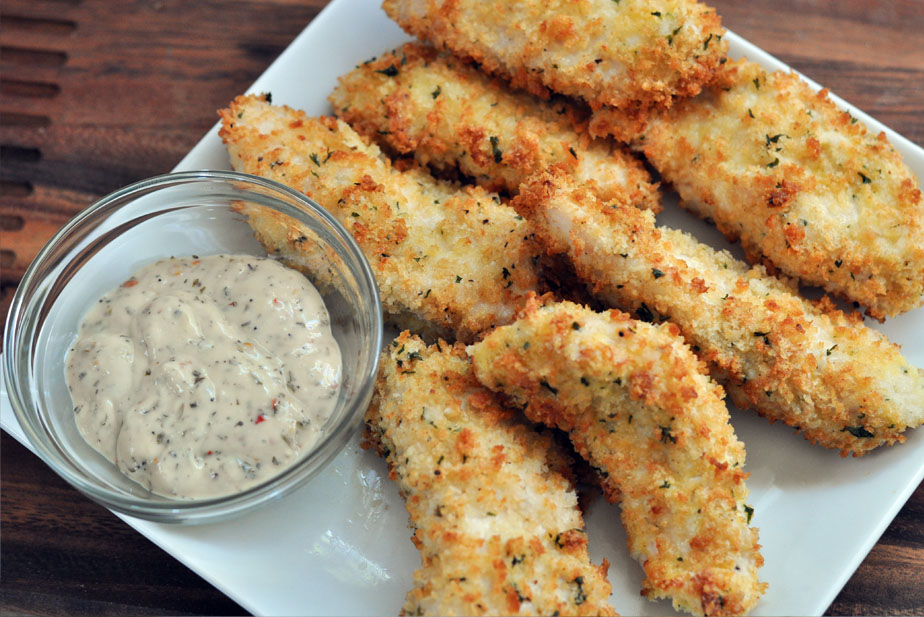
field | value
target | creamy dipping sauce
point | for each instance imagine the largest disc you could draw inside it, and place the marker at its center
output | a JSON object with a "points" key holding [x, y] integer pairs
{"points": [[203, 377]]}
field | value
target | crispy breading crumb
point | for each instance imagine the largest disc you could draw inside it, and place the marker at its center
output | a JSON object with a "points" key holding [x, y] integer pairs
{"points": [[449, 115], [496, 522], [800, 182], [628, 54], [449, 262], [639, 407], [843, 384]]}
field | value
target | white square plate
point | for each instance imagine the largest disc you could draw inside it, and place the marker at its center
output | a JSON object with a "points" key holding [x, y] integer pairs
{"points": [[340, 546]]}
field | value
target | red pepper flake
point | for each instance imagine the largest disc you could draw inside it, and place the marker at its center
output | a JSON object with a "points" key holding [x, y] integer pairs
{"points": [[275, 301], [275, 404], [209, 453], [232, 303], [195, 262], [130, 282], [260, 418]]}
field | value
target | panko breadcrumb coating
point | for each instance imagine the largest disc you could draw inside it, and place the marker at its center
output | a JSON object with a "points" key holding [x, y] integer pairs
{"points": [[495, 520], [800, 182], [449, 115], [628, 54], [640, 409], [813, 367], [449, 262]]}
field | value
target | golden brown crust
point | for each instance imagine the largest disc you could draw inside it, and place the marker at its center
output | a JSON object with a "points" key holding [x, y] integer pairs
{"points": [[450, 116], [843, 384], [629, 54], [455, 262], [639, 408], [496, 522], [800, 182]]}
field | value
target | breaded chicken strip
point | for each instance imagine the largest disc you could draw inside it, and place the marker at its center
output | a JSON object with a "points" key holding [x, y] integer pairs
{"points": [[843, 384], [448, 262], [640, 409], [496, 522], [799, 181], [449, 115], [628, 54]]}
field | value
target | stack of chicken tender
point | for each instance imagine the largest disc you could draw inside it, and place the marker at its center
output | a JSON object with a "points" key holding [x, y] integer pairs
{"points": [[492, 174]]}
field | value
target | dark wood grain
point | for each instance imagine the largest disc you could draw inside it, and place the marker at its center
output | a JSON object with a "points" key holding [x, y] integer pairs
{"points": [[97, 94]]}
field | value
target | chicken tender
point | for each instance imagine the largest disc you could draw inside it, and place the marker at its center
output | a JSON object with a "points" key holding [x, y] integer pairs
{"points": [[496, 522], [640, 409], [799, 181], [451, 116], [448, 262], [844, 385], [629, 54]]}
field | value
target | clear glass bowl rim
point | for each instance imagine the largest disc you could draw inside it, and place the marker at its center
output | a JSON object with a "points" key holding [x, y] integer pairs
{"points": [[200, 510]]}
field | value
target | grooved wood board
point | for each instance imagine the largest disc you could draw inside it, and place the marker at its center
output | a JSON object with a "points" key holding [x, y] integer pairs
{"points": [[95, 95]]}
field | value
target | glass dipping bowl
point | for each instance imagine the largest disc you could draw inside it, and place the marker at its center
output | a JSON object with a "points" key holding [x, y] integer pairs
{"points": [[180, 214]]}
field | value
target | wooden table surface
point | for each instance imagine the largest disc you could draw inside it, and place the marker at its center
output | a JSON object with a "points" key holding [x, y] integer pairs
{"points": [[97, 94]]}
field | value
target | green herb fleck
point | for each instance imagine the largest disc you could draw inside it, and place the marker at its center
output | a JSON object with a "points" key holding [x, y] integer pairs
{"points": [[546, 385], [749, 511], [391, 71], [656, 273], [857, 431], [866, 180], [666, 435], [436, 92], [498, 155], [579, 596], [774, 139], [670, 37]]}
